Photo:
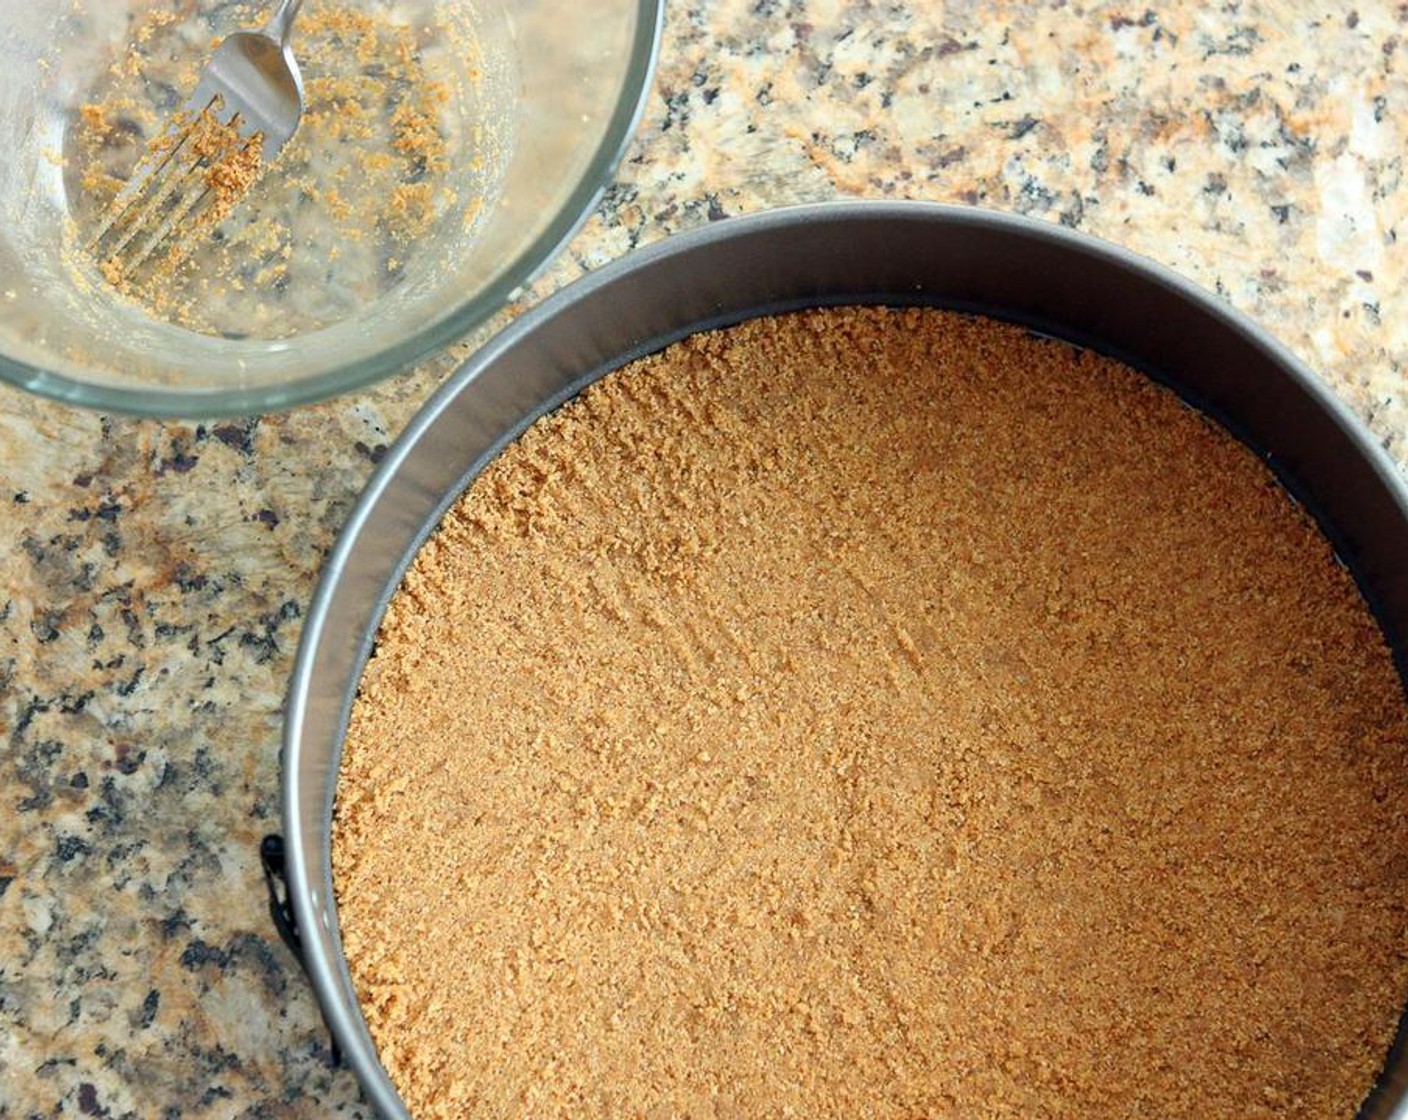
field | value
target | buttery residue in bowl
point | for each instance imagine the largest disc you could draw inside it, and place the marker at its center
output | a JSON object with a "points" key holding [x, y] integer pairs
{"points": [[877, 713], [398, 152]]}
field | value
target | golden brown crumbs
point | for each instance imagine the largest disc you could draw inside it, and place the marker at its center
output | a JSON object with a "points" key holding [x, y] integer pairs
{"points": [[372, 162], [417, 132], [877, 713], [228, 165], [410, 207], [94, 117]]}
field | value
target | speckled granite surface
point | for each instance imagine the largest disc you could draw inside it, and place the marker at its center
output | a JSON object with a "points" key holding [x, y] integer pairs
{"points": [[153, 576]]}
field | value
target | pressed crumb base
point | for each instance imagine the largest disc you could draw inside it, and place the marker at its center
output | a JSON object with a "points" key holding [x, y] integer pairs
{"points": [[874, 713]]}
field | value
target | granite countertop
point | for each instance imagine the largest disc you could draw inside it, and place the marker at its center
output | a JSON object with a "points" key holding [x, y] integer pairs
{"points": [[153, 576]]}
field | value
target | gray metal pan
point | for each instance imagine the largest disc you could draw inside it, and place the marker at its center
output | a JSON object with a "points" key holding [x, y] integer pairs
{"points": [[1051, 279]]}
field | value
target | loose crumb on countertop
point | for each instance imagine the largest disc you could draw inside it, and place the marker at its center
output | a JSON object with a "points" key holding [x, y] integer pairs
{"points": [[877, 713]]}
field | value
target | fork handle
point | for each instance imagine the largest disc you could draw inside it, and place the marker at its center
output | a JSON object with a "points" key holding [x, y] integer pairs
{"points": [[280, 25]]}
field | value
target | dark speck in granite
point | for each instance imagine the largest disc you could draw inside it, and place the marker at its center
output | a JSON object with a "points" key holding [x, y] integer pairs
{"points": [[147, 1016]]}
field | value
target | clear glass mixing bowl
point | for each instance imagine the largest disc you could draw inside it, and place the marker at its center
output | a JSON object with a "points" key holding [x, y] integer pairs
{"points": [[539, 96]]}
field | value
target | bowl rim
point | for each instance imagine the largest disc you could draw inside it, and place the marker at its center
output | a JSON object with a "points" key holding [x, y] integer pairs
{"points": [[321, 950], [206, 404]]}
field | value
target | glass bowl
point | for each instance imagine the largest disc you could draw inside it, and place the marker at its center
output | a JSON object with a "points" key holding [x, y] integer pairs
{"points": [[448, 149]]}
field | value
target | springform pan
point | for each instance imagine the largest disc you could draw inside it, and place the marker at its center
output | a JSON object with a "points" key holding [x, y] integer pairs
{"points": [[1047, 278]]}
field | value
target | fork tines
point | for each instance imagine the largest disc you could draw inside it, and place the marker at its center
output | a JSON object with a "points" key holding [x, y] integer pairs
{"points": [[187, 181]]}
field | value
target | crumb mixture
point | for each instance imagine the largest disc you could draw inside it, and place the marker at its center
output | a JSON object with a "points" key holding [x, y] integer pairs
{"points": [[877, 713], [154, 231], [390, 165]]}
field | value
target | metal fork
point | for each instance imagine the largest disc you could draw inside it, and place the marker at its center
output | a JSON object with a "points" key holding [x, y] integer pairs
{"points": [[251, 85]]}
